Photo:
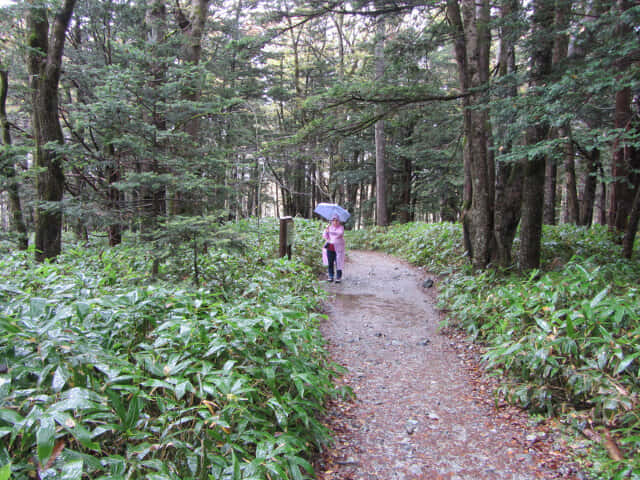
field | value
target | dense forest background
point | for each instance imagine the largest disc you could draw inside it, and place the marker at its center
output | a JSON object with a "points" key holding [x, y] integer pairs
{"points": [[160, 118], [456, 132]]}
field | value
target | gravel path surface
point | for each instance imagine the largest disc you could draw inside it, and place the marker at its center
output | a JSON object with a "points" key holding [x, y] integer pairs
{"points": [[422, 408]]}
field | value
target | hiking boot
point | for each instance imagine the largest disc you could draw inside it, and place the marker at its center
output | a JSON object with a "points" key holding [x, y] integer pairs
{"points": [[338, 280], [330, 279]]}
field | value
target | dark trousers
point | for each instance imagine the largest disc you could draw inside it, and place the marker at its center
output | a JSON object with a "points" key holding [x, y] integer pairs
{"points": [[331, 256]]}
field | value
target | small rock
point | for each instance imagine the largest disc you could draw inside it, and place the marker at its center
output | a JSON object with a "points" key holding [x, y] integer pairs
{"points": [[3, 368], [411, 426], [424, 342], [428, 283]]}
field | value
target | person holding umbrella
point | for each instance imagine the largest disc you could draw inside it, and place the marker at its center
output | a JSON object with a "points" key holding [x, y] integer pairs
{"points": [[334, 249]]}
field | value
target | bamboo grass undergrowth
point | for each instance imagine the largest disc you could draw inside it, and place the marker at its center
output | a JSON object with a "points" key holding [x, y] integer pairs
{"points": [[565, 339], [110, 373]]}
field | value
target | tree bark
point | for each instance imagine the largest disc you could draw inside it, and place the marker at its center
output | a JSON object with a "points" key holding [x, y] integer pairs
{"points": [[508, 183], [533, 185], [632, 228], [602, 212], [154, 196], [454, 17], [115, 198], [587, 202], [45, 65], [621, 198], [571, 184], [9, 169], [381, 175], [192, 25], [625, 156], [559, 57], [471, 25], [550, 187]]}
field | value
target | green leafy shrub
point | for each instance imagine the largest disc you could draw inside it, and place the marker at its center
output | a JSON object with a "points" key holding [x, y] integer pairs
{"points": [[436, 246], [113, 375]]}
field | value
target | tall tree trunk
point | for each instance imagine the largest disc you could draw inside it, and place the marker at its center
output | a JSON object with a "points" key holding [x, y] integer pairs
{"points": [[404, 211], [45, 65], [154, 196], [508, 184], [550, 187], [381, 175], [533, 185], [620, 193], [632, 228], [571, 184], [587, 202], [8, 167], [625, 156], [602, 202], [192, 24], [471, 29], [115, 198], [559, 60], [559, 57], [454, 17], [352, 187]]}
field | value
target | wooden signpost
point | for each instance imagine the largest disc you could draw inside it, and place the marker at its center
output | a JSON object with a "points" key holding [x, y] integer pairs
{"points": [[286, 236]]}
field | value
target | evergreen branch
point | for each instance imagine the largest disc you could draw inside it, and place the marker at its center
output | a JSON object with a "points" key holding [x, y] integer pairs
{"points": [[403, 101]]}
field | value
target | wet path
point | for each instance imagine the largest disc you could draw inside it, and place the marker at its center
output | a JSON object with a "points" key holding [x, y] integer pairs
{"points": [[416, 414]]}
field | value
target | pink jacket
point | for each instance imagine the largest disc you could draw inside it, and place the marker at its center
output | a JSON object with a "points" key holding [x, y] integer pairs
{"points": [[335, 235]]}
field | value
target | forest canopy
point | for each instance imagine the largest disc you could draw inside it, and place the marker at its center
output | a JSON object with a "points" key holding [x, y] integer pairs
{"points": [[129, 116]]}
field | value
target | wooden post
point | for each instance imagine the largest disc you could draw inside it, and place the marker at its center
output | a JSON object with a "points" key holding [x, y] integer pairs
{"points": [[286, 236]]}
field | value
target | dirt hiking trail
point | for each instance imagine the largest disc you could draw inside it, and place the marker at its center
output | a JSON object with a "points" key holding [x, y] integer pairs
{"points": [[422, 408]]}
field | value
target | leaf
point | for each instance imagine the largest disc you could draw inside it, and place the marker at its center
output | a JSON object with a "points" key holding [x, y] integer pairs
{"points": [[83, 435], [236, 466], [133, 413], [11, 416], [76, 399], [82, 309], [182, 388], [543, 324], [8, 324], [37, 307], [45, 439], [598, 298], [571, 333], [5, 472], [72, 470], [279, 410], [59, 379], [628, 360]]}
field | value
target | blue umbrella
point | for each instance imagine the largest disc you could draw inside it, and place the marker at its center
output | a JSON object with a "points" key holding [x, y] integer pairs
{"points": [[330, 210]]}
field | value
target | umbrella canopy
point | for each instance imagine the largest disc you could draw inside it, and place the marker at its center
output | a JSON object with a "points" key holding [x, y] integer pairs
{"points": [[330, 210]]}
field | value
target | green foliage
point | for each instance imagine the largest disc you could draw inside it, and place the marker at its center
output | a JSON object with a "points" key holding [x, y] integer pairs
{"points": [[436, 246], [111, 375], [566, 338]]}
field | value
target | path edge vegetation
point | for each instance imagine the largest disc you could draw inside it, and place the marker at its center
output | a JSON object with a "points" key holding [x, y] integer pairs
{"points": [[563, 338], [200, 367]]}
